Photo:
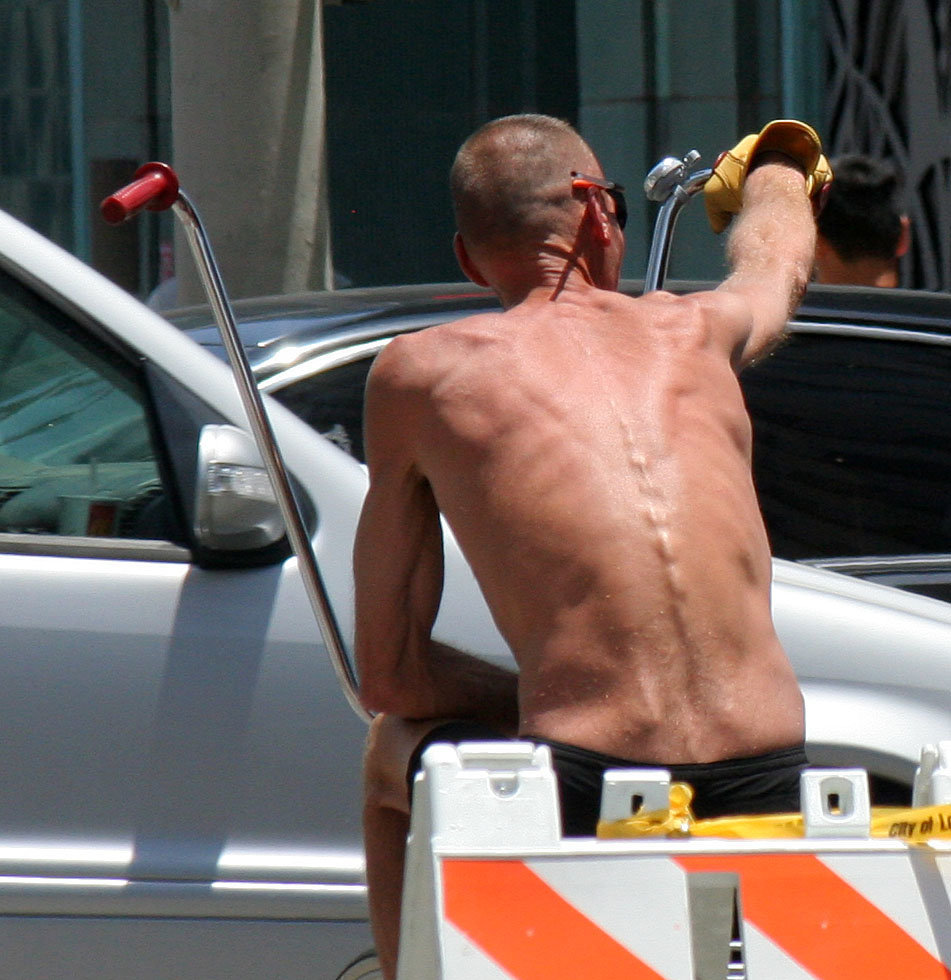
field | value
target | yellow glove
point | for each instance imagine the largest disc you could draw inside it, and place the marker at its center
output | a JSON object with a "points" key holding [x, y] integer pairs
{"points": [[723, 192]]}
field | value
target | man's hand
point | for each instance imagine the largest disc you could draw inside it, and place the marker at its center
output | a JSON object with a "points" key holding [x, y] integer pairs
{"points": [[723, 192]]}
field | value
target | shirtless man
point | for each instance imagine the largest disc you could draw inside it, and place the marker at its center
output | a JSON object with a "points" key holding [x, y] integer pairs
{"points": [[592, 454]]}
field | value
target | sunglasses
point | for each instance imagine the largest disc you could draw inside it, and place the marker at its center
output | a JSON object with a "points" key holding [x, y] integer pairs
{"points": [[613, 190]]}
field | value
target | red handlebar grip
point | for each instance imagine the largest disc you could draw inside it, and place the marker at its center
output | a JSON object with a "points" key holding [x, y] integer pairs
{"points": [[155, 187]]}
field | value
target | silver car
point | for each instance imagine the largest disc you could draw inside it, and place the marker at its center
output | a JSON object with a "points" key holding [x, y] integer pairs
{"points": [[181, 786], [851, 425]]}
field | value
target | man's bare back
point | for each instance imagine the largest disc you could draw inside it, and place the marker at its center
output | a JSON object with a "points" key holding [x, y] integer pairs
{"points": [[591, 453], [592, 456]]}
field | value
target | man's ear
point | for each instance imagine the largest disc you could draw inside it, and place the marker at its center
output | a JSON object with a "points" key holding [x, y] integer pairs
{"points": [[597, 217], [904, 239], [465, 261]]}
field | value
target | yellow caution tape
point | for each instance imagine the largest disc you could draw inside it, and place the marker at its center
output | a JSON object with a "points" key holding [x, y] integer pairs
{"points": [[676, 821], [915, 824]]}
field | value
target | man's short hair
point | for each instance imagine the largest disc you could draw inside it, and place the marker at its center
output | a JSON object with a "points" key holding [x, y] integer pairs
{"points": [[861, 216], [511, 179]]}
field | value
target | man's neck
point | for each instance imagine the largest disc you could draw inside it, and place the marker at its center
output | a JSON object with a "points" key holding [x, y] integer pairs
{"points": [[861, 272], [547, 278]]}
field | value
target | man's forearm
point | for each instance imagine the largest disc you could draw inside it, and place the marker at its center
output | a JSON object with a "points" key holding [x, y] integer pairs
{"points": [[774, 234], [770, 252], [426, 679], [775, 229], [460, 685]]}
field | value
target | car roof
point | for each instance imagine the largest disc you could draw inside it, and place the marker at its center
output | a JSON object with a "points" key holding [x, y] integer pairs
{"points": [[264, 319], [915, 309], [281, 330], [277, 331]]}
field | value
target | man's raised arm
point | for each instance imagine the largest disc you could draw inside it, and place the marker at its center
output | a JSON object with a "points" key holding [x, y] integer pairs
{"points": [[770, 181]]}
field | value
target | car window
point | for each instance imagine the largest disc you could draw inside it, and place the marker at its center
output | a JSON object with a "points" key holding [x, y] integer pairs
{"points": [[332, 403], [852, 443], [852, 452], [75, 453]]}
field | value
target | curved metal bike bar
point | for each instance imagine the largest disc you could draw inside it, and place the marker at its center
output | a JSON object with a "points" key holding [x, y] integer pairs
{"points": [[267, 445], [664, 228], [156, 188]]}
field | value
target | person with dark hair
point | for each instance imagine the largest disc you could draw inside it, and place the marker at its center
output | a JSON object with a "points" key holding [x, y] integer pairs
{"points": [[862, 228], [591, 453]]}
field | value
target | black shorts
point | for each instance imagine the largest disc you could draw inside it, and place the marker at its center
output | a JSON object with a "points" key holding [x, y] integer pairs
{"points": [[767, 783]]}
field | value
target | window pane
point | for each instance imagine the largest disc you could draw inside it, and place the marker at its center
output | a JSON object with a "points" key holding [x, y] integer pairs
{"points": [[852, 452], [75, 452], [35, 165], [332, 402]]}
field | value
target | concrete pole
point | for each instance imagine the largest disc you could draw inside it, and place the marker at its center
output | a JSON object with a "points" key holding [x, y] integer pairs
{"points": [[248, 133]]}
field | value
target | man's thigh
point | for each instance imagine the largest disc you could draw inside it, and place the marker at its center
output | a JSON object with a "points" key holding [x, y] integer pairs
{"points": [[394, 749], [452, 732]]}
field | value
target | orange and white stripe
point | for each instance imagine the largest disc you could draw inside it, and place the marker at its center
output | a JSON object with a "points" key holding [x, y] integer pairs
{"points": [[835, 916]]}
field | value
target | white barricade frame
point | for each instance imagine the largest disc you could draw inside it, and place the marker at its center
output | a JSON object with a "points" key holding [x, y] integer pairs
{"points": [[494, 892]]}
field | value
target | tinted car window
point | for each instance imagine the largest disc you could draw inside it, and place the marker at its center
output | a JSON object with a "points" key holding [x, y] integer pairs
{"points": [[853, 446], [75, 452], [852, 452], [332, 402]]}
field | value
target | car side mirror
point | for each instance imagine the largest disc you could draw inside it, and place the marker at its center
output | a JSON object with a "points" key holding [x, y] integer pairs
{"points": [[235, 506]]}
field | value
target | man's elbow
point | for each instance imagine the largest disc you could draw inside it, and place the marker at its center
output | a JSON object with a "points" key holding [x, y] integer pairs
{"points": [[375, 687], [393, 678], [382, 693], [377, 698]]}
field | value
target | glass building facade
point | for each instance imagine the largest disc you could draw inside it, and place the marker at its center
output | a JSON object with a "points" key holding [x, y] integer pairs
{"points": [[85, 98]]}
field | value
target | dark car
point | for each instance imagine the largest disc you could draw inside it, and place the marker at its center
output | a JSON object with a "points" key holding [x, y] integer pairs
{"points": [[852, 453]]}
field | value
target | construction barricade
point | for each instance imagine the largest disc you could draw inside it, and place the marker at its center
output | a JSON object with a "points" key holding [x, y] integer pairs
{"points": [[493, 892]]}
